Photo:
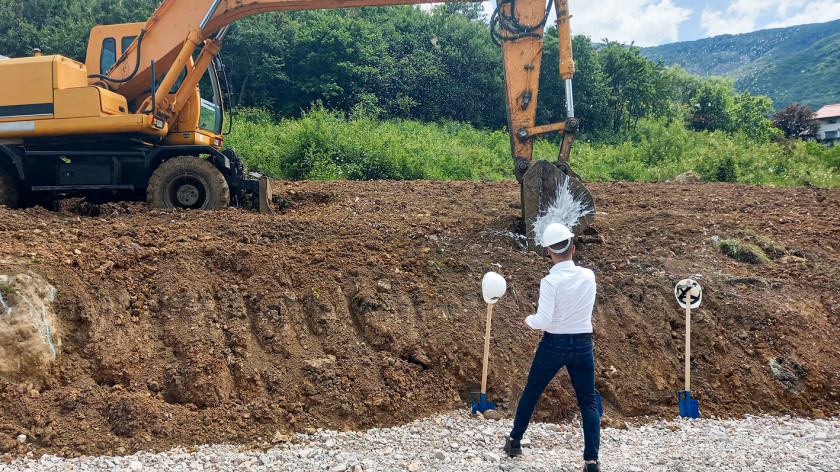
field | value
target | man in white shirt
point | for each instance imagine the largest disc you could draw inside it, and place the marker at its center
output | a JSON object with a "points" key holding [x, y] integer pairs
{"points": [[564, 314]]}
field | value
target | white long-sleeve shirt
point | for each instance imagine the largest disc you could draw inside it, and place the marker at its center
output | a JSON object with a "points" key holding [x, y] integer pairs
{"points": [[567, 295]]}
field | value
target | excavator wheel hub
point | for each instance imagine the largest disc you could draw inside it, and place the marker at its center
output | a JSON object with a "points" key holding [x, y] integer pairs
{"points": [[187, 195]]}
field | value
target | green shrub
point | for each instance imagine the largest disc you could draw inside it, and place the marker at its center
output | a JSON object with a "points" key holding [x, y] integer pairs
{"points": [[327, 145], [7, 290]]}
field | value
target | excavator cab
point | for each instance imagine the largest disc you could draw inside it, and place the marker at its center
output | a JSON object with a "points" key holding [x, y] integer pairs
{"points": [[201, 117]]}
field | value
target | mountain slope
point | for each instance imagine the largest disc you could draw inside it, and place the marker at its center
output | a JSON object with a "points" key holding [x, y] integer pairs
{"points": [[794, 64]]}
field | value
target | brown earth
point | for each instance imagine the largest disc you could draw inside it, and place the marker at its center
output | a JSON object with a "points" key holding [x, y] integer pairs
{"points": [[359, 305]]}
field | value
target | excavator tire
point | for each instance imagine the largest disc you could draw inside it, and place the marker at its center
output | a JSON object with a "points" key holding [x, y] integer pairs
{"points": [[8, 190], [188, 182]]}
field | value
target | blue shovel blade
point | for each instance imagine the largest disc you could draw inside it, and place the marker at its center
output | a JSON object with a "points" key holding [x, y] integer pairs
{"points": [[689, 408], [482, 404]]}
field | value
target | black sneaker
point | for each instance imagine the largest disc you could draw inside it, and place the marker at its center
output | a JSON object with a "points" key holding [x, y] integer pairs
{"points": [[592, 467], [512, 447]]}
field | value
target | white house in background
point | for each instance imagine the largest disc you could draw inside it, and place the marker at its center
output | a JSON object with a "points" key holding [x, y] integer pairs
{"points": [[829, 130]]}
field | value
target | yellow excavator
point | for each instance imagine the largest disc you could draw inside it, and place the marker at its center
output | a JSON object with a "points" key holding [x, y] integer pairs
{"points": [[143, 115]]}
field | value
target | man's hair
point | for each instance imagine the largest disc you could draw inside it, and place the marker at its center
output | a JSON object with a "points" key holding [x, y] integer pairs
{"points": [[558, 248]]}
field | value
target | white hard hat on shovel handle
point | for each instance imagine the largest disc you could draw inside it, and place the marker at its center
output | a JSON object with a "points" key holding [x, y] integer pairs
{"points": [[493, 286]]}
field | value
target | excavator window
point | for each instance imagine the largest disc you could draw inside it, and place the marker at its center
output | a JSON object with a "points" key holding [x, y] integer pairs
{"points": [[109, 54], [211, 117], [125, 42]]}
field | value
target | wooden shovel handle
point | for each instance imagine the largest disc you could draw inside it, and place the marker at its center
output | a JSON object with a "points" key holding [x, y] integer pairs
{"points": [[486, 348], [688, 342]]}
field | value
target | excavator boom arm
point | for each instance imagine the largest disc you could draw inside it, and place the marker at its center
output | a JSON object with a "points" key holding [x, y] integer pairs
{"points": [[551, 191]]}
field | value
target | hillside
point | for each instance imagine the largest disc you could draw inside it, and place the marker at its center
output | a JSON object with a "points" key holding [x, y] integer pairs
{"points": [[794, 64], [359, 305]]}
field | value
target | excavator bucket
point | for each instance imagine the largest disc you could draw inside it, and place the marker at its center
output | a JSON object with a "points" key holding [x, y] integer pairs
{"points": [[264, 196], [552, 196]]}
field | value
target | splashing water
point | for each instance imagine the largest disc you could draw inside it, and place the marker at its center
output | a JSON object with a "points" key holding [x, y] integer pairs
{"points": [[566, 209]]}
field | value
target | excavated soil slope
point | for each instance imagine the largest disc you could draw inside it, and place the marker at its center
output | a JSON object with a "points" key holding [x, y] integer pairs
{"points": [[359, 304]]}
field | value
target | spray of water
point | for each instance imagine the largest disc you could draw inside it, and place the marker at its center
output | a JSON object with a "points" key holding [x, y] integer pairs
{"points": [[565, 209]]}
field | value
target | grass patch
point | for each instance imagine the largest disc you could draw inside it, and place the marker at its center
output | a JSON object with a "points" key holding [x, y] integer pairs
{"points": [[7, 290], [742, 251], [751, 248]]}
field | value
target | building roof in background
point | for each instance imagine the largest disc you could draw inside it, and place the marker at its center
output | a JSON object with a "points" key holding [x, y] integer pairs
{"points": [[828, 111]]}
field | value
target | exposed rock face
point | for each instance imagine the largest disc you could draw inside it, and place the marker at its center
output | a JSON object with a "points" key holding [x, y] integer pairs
{"points": [[29, 339]]}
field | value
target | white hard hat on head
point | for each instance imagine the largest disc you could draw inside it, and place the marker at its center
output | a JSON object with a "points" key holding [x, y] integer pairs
{"points": [[493, 286], [556, 233]]}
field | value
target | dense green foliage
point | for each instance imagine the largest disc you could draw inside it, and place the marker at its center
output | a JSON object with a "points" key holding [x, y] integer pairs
{"points": [[61, 27], [395, 62], [794, 64], [330, 145], [326, 144]]}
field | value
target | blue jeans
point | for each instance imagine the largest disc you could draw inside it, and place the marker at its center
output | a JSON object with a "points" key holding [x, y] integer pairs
{"points": [[552, 354]]}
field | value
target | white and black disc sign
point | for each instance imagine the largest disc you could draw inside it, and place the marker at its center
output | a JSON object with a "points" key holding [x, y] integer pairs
{"points": [[688, 291]]}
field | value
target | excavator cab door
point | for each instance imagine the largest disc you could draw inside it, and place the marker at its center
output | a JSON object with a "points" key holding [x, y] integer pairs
{"points": [[212, 114]]}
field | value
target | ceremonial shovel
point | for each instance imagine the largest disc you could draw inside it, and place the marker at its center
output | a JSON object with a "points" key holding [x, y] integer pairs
{"points": [[688, 293], [493, 286]]}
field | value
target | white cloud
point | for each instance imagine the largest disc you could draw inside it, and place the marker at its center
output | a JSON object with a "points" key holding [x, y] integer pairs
{"points": [[644, 22], [742, 16], [813, 12], [718, 22]]}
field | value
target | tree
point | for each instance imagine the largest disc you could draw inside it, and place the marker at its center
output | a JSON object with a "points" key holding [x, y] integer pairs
{"points": [[472, 11], [19, 36], [749, 115], [711, 105], [636, 87], [796, 121], [254, 55], [683, 84]]}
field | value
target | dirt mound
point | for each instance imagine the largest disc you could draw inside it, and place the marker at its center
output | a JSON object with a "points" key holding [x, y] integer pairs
{"points": [[359, 304], [689, 177]]}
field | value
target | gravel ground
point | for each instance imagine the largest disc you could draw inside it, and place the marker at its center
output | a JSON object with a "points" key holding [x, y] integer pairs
{"points": [[457, 442]]}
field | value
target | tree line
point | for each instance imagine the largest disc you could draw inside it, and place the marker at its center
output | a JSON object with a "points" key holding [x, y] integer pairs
{"points": [[431, 66]]}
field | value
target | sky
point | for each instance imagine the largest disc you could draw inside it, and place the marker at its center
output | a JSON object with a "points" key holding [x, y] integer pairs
{"points": [[656, 22]]}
